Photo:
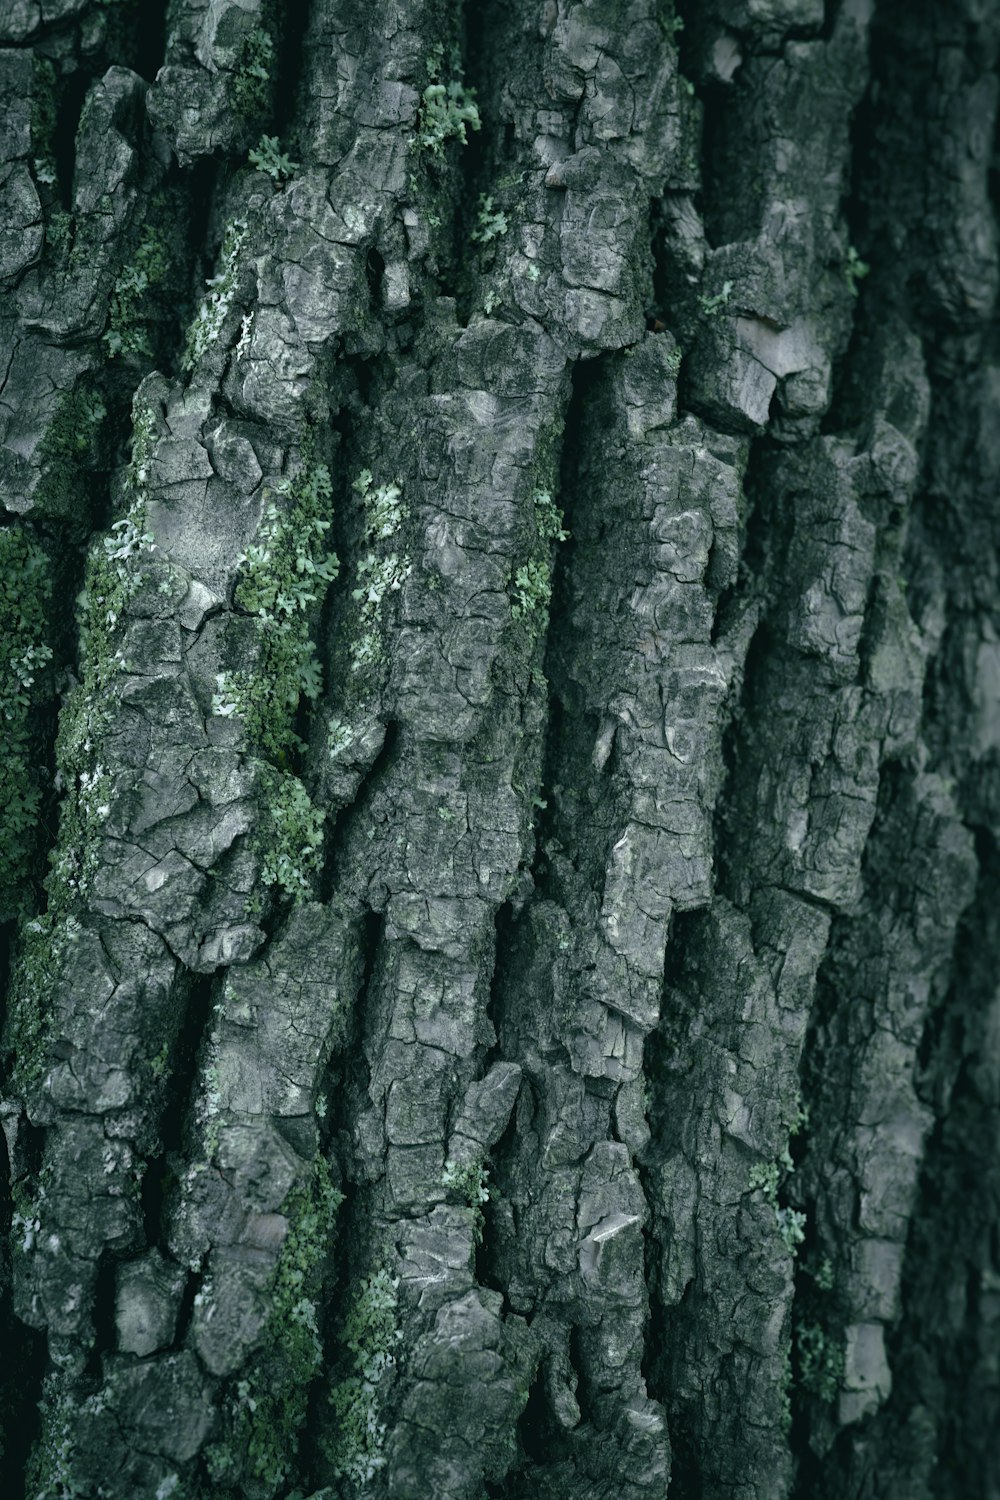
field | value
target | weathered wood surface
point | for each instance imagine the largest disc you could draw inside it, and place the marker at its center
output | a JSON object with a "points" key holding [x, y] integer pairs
{"points": [[500, 667]]}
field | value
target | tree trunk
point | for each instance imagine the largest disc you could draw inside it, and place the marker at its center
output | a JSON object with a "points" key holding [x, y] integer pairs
{"points": [[500, 664]]}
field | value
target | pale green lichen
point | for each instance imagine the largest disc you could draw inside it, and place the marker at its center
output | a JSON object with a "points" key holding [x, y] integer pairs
{"points": [[820, 1361], [447, 110], [468, 1180], [43, 948], [129, 313], [291, 839], [25, 685], [252, 83], [111, 579], [491, 223], [855, 269], [766, 1178], [269, 158], [532, 581], [710, 306], [220, 296], [380, 573], [283, 576], [369, 1339], [267, 1410], [68, 451], [532, 588]]}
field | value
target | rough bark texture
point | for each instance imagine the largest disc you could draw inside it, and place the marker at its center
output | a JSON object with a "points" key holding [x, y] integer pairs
{"points": [[500, 667]]}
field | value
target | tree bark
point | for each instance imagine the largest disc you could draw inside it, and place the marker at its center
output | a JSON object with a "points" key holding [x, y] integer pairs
{"points": [[500, 662]]}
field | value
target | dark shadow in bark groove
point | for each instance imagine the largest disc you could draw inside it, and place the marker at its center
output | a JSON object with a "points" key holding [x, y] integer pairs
{"points": [[155, 1182], [103, 1314], [546, 820], [7, 930], [200, 184], [24, 1359], [660, 1065], [570, 731], [958, 1203], [490, 1269], [68, 111], [539, 1444], [294, 23], [185, 1310], [735, 755], [375, 270], [345, 1084], [685, 1474], [505, 926], [177, 1109], [150, 39], [24, 1362], [536, 1429], [476, 159], [347, 1075]]}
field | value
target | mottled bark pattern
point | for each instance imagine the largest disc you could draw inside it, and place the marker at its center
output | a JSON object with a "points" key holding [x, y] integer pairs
{"points": [[500, 659]]}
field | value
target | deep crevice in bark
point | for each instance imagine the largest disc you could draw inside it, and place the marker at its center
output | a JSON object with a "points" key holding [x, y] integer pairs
{"points": [[103, 1315], [25, 1353], [940, 1348], [183, 1090], [505, 927], [537, 1433], [7, 933], [185, 1308], [294, 17], [68, 112], [150, 39], [199, 186], [24, 1365]]}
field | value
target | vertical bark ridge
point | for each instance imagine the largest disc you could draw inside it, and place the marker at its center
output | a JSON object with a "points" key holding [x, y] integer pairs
{"points": [[900, 1078], [800, 797]]}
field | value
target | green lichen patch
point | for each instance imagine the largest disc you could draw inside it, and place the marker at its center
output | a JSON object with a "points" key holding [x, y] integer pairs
{"points": [[113, 575], [766, 1178], [70, 448], [43, 947], [818, 1346], [268, 1407], [448, 110], [251, 93], [491, 223], [25, 686], [268, 157], [531, 590], [380, 572], [820, 1361], [219, 298], [135, 302], [50, 1467], [369, 1339], [291, 837], [283, 578], [855, 270], [467, 1180]]}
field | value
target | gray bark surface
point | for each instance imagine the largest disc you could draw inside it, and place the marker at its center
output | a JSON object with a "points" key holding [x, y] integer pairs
{"points": [[500, 664]]}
